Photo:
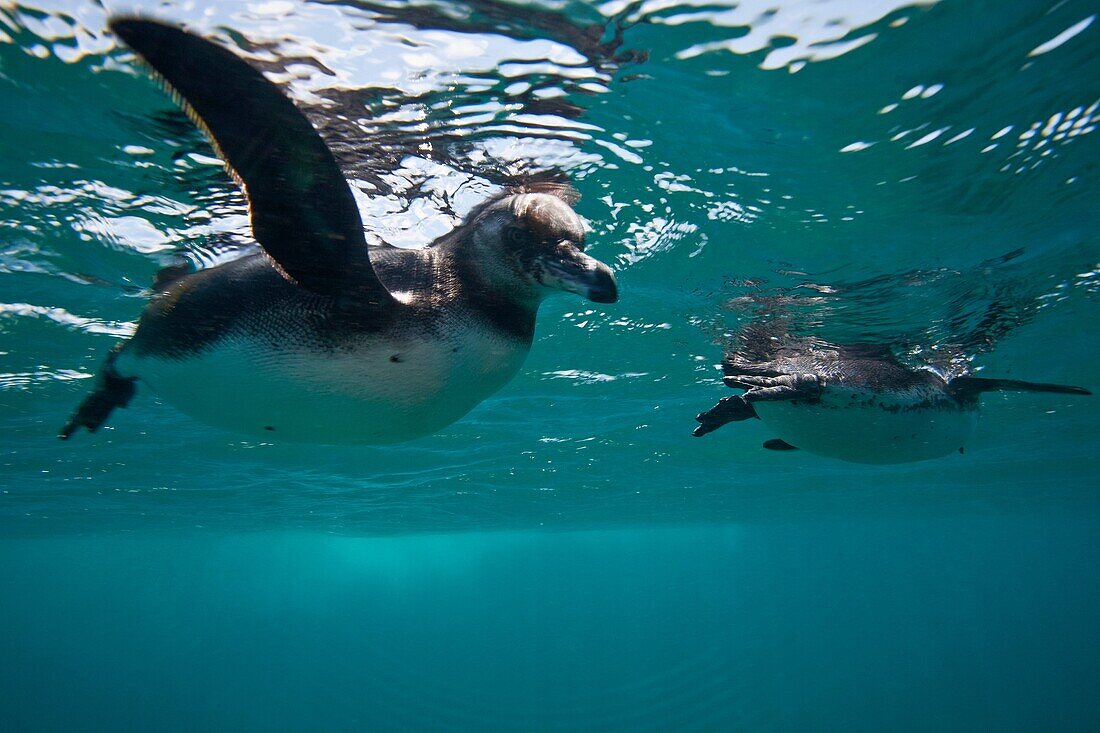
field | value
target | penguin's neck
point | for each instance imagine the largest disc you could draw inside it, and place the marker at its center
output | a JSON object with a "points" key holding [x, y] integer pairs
{"points": [[507, 307]]}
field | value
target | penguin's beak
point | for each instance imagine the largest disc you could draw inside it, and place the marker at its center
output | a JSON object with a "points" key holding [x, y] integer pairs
{"points": [[575, 272]]}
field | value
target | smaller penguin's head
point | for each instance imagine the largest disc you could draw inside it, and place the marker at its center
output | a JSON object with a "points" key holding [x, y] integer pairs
{"points": [[532, 243]]}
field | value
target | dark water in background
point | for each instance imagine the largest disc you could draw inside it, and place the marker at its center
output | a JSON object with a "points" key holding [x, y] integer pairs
{"points": [[567, 557]]}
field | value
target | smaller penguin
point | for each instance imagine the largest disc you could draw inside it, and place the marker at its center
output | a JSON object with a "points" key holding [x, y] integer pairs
{"points": [[853, 402]]}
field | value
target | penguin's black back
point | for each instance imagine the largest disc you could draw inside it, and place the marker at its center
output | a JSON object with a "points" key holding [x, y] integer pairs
{"points": [[766, 351], [249, 297]]}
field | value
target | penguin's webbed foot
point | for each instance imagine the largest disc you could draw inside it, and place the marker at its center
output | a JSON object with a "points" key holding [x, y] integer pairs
{"points": [[111, 392], [778, 444]]}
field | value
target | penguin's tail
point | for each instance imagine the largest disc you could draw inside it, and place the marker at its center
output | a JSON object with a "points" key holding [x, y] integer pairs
{"points": [[111, 391], [972, 386]]}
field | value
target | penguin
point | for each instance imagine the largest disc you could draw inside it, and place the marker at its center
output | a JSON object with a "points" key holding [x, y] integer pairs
{"points": [[854, 402], [314, 337]]}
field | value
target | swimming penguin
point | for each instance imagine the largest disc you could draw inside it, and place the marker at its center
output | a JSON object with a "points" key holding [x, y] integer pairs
{"points": [[853, 402], [315, 338]]}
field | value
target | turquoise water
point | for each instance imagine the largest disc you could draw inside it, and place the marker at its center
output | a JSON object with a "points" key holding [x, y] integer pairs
{"points": [[568, 557]]}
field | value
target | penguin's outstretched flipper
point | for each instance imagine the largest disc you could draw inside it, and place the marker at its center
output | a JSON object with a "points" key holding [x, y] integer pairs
{"points": [[783, 388], [973, 386], [302, 210]]}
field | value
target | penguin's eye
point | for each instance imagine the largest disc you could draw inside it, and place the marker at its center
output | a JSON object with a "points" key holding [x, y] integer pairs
{"points": [[514, 236]]}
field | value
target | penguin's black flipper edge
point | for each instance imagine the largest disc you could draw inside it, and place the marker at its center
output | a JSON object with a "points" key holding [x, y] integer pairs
{"points": [[169, 274], [777, 444], [302, 210], [976, 385]]}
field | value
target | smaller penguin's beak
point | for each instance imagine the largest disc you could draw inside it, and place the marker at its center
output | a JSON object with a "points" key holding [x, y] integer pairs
{"points": [[576, 272]]}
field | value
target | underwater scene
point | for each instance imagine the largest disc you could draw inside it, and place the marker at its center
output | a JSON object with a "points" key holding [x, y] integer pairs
{"points": [[637, 365]]}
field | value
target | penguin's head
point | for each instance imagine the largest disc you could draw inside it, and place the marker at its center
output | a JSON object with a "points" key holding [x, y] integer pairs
{"points": [[532, 244]]}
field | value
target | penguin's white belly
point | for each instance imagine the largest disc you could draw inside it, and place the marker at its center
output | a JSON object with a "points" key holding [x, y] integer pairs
{"points": [[868, 429], [374, 391]]}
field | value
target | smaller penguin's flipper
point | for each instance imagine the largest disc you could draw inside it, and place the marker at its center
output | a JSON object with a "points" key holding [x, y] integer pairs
{"points": [[302, 210], [111, 391], [972, 386], [785, 388], [728, 409], [778, 444]]}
